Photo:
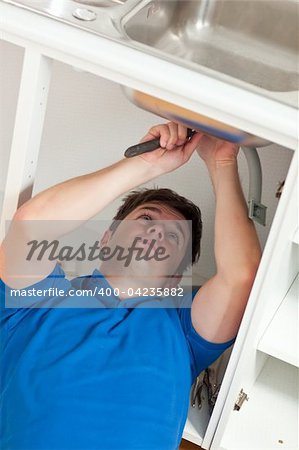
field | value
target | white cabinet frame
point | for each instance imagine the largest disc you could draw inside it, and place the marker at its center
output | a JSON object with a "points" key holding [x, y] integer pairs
{"points": [[276, 275], [27, 133]]}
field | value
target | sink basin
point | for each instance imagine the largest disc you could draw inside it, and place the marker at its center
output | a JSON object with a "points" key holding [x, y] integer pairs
{"points": [[254, 41], [251, 43]]}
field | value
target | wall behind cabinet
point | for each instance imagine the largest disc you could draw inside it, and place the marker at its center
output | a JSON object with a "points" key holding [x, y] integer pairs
{"points": [[88, 125]]}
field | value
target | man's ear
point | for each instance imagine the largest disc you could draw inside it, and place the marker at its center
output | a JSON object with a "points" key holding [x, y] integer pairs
{"points": [[173, 281], [106, 237]]}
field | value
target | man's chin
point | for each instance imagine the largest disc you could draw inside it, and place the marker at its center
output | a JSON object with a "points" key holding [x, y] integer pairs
{"points": [[141, 269]]}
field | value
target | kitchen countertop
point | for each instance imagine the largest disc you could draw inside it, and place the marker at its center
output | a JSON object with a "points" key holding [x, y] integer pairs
{"points": [[275, 119]]}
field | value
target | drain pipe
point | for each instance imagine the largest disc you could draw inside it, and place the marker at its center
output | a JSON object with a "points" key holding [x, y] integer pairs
{"points": [[256, 210]]}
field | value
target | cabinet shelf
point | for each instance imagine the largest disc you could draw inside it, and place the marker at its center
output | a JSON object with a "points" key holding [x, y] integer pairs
{"points": [[197, 421], [281, 337], [269, 419]]}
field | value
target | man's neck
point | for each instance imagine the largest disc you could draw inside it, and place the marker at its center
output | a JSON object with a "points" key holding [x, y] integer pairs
{"points": [[132, 284]]}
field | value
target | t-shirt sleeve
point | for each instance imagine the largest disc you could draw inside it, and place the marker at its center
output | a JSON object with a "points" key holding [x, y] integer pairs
{"points": [[202, 352], [13, 302]]}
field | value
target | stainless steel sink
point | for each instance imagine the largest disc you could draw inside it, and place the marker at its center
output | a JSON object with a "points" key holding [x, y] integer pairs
{"points": [[254, 41]]}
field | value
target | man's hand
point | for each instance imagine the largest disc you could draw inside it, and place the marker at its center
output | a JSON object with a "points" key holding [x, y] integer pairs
{"points": [[213, 150], [175, 149], [216, 153]]}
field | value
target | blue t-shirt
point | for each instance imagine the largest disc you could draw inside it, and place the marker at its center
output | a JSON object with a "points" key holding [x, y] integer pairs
{"points": [[115, 375]]}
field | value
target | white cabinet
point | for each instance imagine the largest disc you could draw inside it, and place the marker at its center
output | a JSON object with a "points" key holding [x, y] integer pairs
{"points": [[264, 364], [281, 336], [269, 419], [267, 369]]}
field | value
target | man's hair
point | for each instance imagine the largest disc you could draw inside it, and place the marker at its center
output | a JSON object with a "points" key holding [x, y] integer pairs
{"points": [[167, 197]]}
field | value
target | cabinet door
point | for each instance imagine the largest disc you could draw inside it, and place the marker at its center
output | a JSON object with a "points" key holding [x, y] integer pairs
{"points": [[268, 415]]}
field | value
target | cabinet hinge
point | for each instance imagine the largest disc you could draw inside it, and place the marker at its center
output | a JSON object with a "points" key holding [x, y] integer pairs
{"points": [[240, 400]]}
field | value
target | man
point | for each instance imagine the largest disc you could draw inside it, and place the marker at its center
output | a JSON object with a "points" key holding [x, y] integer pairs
{"points": [[117, 375]]}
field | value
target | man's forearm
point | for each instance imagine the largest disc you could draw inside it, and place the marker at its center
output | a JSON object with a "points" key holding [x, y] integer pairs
{"points": [[237, 248], [83, 197]]}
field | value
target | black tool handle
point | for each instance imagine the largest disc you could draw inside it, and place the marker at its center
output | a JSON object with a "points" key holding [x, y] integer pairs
{"points": [[148, 146], [145, 147]]}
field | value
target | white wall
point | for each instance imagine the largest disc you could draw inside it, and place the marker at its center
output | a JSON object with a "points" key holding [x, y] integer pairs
{"points": [[89, 123]]}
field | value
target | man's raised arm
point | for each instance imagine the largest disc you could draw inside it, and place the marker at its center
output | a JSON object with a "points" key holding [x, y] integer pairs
{"points": [[219, 305], [74, 201]]}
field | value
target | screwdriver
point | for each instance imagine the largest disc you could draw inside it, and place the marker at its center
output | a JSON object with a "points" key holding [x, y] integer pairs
{"points": [[149, 146]]}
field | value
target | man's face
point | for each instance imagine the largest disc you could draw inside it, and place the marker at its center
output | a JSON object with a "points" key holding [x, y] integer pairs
{"points": [[152, 226]]}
